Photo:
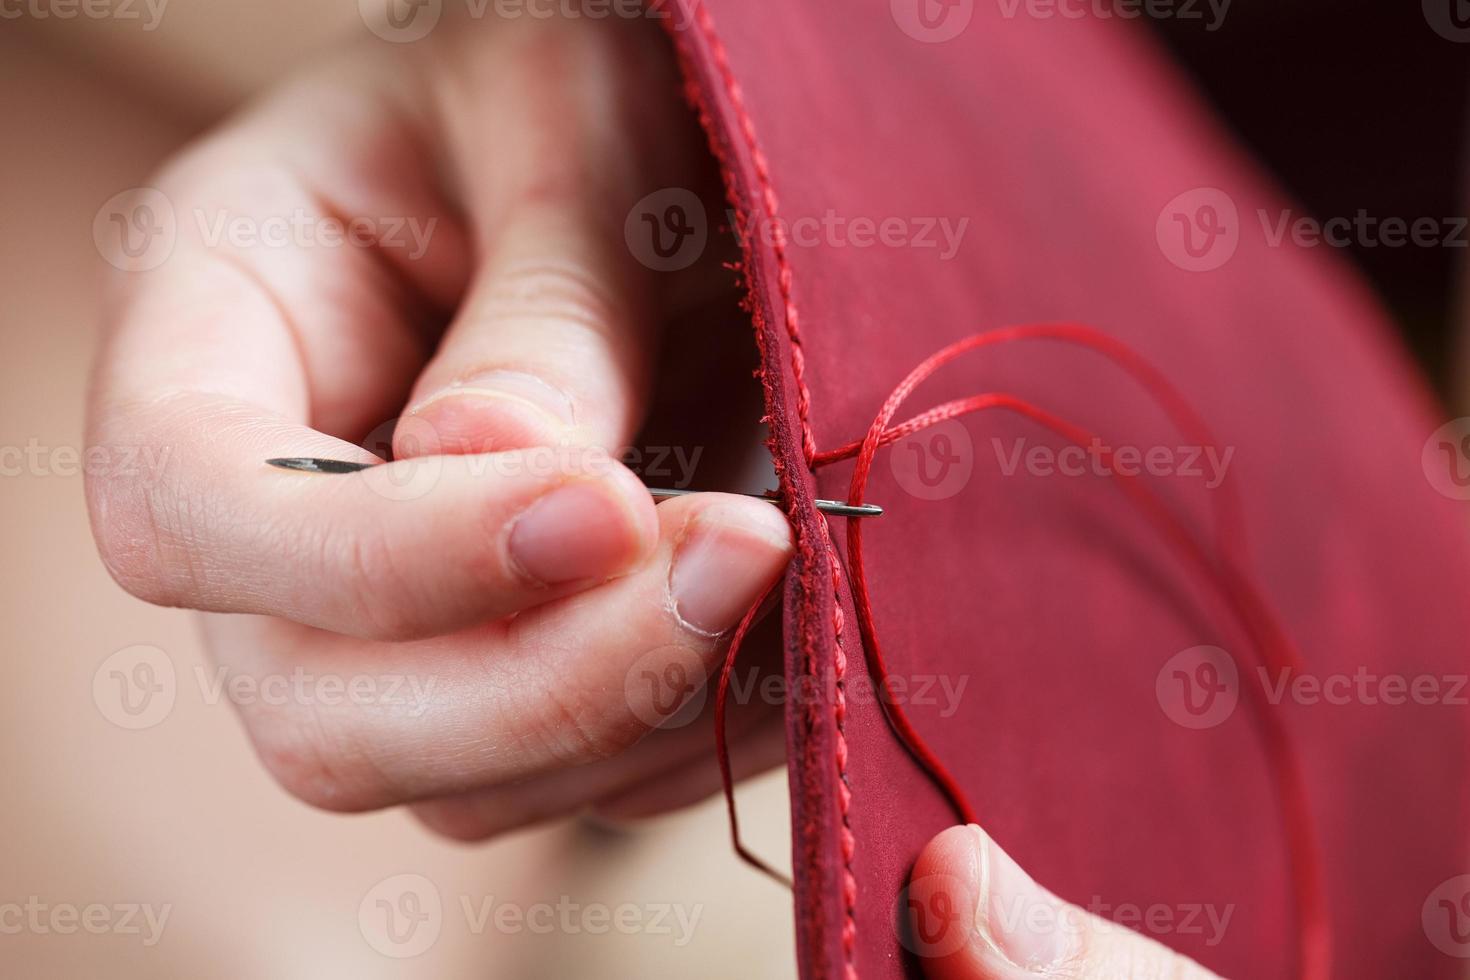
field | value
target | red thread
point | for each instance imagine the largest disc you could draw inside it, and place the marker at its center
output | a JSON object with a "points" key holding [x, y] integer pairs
{"points": [[848, 841], [722, 752], [1237, 589], [1246, 603], [705, 25], [1228, 518]]}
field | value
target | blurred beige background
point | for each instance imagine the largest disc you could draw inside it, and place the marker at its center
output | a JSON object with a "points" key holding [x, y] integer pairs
{"points": [[103, 825]]}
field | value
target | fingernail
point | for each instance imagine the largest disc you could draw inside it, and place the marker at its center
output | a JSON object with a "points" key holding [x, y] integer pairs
{"points": [[1022, 921], [495, 411], [726, 556], [577, 532]]}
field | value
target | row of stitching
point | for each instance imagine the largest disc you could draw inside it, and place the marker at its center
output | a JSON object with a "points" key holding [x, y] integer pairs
{"points": [[844, 790], [772, 206], [768, 200], [847, 841]]}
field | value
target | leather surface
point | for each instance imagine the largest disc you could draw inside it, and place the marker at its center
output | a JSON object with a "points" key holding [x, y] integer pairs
{"points": [[1064, 145]]}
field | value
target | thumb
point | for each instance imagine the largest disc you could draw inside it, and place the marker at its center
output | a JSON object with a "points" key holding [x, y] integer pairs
{"points": [[971, 913]]}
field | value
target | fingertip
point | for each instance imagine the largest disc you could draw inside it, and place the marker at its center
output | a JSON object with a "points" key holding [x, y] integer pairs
{"points": [[758, 519], [453, 820], [585, 531], [938, 909], [727, 553], [955, 851], [632, 493]]}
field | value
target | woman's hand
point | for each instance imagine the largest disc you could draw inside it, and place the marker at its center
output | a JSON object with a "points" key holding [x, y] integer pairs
{"points": [[488, 173], [973, 914]]}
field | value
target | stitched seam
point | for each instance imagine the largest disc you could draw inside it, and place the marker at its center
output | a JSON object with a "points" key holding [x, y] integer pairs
{"points": [[847, 841], [778, 238], [844, 790]]}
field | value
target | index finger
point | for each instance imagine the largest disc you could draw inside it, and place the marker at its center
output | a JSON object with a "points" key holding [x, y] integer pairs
{"points": [[227, 354]]}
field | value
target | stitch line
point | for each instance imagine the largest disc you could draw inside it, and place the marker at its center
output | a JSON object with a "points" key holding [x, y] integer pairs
{"points": [[847, 841], [844, 789], [778, 239]]}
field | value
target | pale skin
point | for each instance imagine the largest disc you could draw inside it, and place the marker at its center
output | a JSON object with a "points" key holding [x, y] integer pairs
{"points": [[1001, 925], [521, 326]]}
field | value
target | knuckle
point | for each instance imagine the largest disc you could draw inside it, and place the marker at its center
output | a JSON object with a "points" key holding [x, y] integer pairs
{"points": [[458, 820], [152, 524], [297, 751], [1109, 950], [561, 294], [379, 594], [142, 535], [576, 727], [126, 541]]}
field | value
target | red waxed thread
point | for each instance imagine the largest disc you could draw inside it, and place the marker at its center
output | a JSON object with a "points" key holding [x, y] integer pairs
{"points": [[1257, 619], [1246, 603], [722, 751], [1229, 515], [848, 841], [798, 363], [1152, 380], [844, 788], [705, 26]]}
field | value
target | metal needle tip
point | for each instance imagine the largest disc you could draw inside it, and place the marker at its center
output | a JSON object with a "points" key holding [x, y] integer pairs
{"points": [[320, 465], [834, 507]]}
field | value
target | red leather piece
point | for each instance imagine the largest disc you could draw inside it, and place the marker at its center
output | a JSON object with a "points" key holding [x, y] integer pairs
{"points": [[1063, 142]]}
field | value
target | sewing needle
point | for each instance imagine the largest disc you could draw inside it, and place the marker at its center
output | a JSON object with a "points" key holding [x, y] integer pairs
{"points": [[834, 507]]}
